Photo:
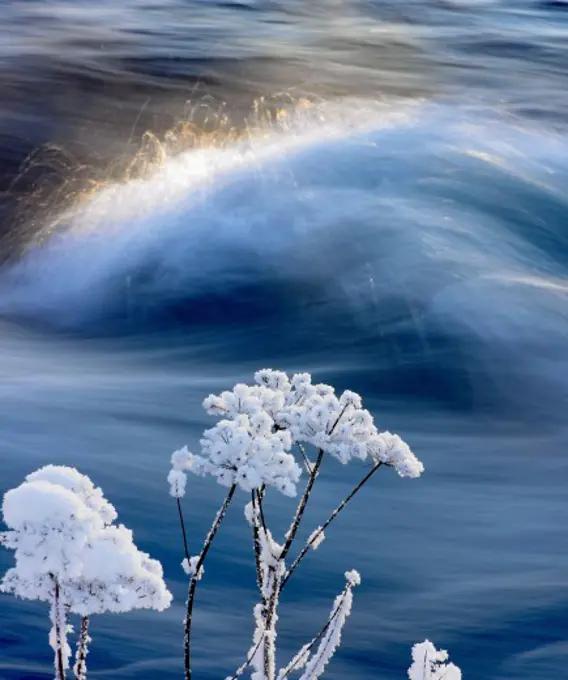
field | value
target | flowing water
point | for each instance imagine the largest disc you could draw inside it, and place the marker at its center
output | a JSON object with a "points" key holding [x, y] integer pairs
{"points": [[371, 191]]}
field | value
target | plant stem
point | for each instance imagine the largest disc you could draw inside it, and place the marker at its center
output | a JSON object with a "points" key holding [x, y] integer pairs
{"points": [[274, 577], [308, 490], [59, 626], [183, 532], [256, 542], [302, 506], [80, 669], [307, 463], [241, 669], [269, 577], [323, 630], [329, 520], [195, 578]]}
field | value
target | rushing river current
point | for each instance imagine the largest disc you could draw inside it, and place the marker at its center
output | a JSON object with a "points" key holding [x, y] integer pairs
{"points": [[371, 191]]}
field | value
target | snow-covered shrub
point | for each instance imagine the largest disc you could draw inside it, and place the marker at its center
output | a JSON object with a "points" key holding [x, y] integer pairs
{"points": [[260, 443], [69, 554]]}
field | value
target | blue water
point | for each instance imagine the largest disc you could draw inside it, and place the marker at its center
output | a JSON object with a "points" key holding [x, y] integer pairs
{"points": [[398, 228]]}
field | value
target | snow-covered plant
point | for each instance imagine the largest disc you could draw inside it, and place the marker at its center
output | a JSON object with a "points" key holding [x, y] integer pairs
{"points": [[260, 442], [69, 553], [428, 663], [329, 637]]}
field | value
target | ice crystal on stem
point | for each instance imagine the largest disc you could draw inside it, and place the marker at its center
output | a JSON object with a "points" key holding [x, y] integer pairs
{"points": [[316, 538], [190, 567], [428, 663]]}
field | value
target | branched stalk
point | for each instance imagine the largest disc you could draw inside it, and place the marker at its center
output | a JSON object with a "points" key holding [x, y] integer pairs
{"points": [[323, 630], [329, 520], [195, 578], [80, 668], [274, 577], [307, 492], [309, 647]]}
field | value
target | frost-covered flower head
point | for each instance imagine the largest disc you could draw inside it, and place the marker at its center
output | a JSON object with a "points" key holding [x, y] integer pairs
{"points": [[248, 451], [314, 414], [60, 532]]}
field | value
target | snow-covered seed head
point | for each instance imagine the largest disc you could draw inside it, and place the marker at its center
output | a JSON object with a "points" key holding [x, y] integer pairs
{"points": [[59, 531], [247, 450], [275, 380], [251, 445], [391, 450]]}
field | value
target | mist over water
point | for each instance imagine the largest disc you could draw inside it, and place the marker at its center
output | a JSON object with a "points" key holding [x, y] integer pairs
{"points": [[393, 218]]}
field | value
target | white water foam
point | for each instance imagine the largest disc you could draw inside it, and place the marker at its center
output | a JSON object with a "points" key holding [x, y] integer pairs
{"points": [[421, 201]]}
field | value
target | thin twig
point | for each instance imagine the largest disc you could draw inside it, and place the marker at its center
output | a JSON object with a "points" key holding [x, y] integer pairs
{"points": [[196, 576], [304, 500], [306, 459], [301, 506], [241, 669], [329, 520], [183, 532], [260, 498]]}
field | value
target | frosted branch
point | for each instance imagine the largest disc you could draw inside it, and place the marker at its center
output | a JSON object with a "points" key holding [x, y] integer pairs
{"points": [[331, 639], [80, 667], [292, 531], [329, 636], [319, 532]]}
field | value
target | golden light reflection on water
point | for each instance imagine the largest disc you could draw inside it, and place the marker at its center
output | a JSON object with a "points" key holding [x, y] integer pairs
{"points": [[59, 183]]}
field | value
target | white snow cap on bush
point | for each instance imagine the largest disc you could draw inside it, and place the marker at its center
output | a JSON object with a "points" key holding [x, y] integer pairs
{"points": [[428, 663], [314, 414], [61, 532]]}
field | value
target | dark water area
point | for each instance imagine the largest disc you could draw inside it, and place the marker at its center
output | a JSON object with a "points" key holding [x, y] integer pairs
{"points": [[371, 191]]}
